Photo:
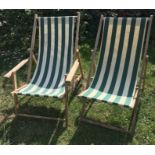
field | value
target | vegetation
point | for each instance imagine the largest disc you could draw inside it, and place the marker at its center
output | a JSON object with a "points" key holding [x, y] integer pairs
{"points": [[16, 27]]}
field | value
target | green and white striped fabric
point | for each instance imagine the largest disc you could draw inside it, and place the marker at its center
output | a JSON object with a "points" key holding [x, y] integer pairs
{"points": [[120, 55], [56, 39]]}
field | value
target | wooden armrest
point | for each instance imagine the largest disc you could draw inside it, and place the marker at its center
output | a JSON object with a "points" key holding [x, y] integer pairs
{"points": [[72, 72], [16, 68]]}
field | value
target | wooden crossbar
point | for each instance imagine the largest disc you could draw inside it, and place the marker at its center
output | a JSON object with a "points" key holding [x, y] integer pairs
{"points": [[40, 117], [108, 126]]}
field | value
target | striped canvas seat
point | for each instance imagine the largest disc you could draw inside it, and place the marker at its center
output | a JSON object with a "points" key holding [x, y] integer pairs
{"points": [[56, 36], [120, 54]]}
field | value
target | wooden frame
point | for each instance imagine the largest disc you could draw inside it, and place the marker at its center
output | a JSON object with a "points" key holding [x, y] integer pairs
{"points": [[68, 78], [131, 128]]}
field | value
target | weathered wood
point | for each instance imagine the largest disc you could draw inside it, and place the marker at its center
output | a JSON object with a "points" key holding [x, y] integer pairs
{"points": [[40, 117], [16, 68], [148, 36], [77, 34], [144, 73], [4, 117], [72, 72], [34, 59], [108, 126], [32, 48], [145, 49], [78, 57], [14, 78], [16, 90], [133, 119], [66, 103]]}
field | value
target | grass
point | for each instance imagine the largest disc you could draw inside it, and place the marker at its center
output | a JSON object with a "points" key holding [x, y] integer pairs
{"points": [[31, 131]]}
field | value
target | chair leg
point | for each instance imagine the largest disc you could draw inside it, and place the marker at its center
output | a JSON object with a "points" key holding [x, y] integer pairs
{"points": [[16, 102], [133, 119], [85, 108], [66, 110]]}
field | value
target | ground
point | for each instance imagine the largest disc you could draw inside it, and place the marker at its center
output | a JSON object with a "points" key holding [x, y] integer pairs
{"points": [[31, 131]]}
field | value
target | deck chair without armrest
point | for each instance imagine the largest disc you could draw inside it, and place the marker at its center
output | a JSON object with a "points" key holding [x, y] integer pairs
{"points": [[123, 56], [55, 70]]}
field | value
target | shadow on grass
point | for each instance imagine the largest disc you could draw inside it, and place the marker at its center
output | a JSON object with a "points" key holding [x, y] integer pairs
{"points": [[33, 131], [87, 134]]}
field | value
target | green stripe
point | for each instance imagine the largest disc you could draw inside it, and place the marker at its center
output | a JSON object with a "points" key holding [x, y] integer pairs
{"points": [[127, 101], [70, 44], [118, 60], [48, 53], [102, 52], [97, 94], [109, 62], [62, 54], [137, 57], [55, 53], [89, 90], [125, 70]]}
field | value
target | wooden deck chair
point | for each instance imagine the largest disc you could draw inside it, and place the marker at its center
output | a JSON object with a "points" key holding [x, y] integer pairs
{"points": [[55, 69], [123, 54]]}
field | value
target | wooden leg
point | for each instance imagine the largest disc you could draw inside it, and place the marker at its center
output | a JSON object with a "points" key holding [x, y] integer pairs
{"points": [[66, 106], [66, 111], [144, 73], [133, 118], [85, 108], [16, 102]]}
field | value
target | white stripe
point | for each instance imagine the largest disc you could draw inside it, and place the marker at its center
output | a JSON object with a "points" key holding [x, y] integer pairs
{"points": [[132, 58], [122, 100], [51, 57], [44, 57], [93, 93], [124, 51], [29, 91], [44, 52], [139, 61], [101, 97], [104, 64], [112, 98], [59, 53], [114, 58]]}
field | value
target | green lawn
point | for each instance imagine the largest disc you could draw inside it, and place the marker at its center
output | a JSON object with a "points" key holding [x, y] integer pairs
{"points": [[31, 131]]}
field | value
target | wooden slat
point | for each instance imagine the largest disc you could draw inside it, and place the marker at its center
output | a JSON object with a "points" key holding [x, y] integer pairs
{"points": [[77, 32], [78, 57], [40, 117], [108, 126], [15, 91], [32, 47], [72, 71], [16, 68], [14, 80], [4, 117]]}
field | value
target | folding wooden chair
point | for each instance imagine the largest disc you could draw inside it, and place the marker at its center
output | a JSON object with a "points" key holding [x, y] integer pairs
{"points": [[123, 54], [57, 63]]}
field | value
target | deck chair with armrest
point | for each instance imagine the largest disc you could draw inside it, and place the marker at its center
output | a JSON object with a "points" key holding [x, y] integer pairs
{"points": [[120, 74], [57, 63]]}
